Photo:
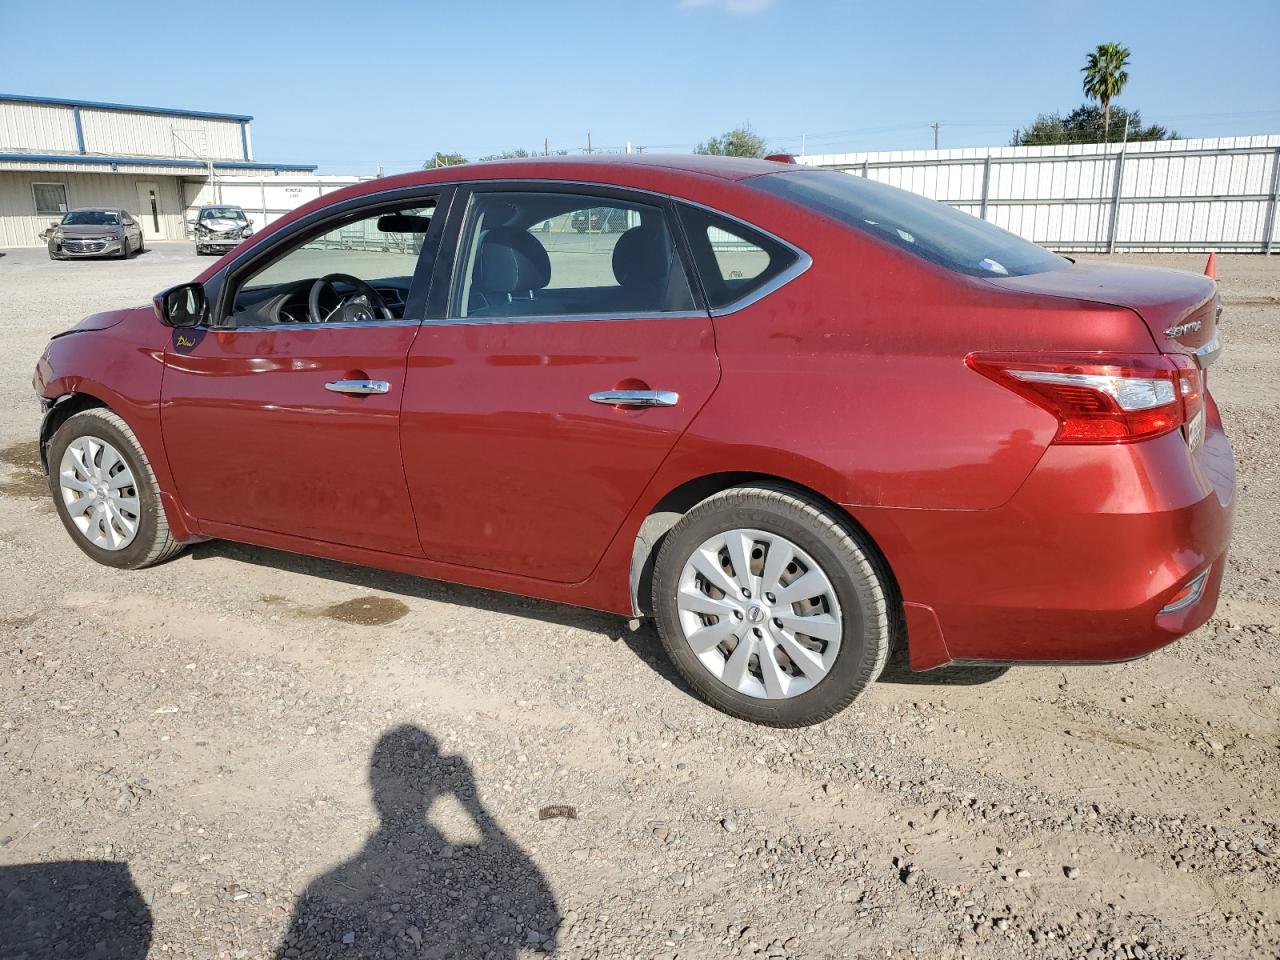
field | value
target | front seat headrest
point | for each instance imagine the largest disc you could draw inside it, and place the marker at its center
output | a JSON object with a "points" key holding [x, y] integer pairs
{"points": [[511, 260], [642, 258]]}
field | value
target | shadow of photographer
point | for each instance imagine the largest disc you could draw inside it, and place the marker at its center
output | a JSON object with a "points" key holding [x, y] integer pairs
{"points": [[409, 892], [86, 909]]}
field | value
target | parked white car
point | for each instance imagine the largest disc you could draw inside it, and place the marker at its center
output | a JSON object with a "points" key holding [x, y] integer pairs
{"points": [[218, 229]]}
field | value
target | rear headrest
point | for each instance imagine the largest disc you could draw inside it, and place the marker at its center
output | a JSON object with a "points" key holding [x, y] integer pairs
{"points": [[642, 258], [511, 260]]}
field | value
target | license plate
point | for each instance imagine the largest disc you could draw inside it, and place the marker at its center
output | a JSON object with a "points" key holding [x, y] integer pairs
{"points": [[1195, 430]]}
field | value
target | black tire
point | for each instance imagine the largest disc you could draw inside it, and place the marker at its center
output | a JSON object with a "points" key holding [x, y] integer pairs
{"points": [[142, 244], [153, 542], [862, 584]]}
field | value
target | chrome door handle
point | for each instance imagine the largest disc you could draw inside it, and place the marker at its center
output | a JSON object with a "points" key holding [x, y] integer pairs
{"points": [[636, 398], [358, 386]]}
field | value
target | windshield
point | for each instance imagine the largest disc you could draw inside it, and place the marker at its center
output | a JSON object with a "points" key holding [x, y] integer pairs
{"points": [[929, 229], [221, 213], [94, 218]]}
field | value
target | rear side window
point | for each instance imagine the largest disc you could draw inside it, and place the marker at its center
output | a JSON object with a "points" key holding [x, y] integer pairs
{"points": [[564, 255], [931, 230], [734, 261]]}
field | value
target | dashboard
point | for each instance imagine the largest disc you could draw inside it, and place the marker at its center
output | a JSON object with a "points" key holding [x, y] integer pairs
{"points": [[286, 303]]}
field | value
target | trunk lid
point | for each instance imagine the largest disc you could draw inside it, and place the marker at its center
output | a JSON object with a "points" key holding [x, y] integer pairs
{"points": [[1180, 309]]}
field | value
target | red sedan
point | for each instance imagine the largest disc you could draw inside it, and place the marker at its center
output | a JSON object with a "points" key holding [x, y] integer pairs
{"points": [[796, 416]]}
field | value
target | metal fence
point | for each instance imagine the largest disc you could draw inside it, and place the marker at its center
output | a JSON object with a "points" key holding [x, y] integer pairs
{"points": [[1164, 195]]}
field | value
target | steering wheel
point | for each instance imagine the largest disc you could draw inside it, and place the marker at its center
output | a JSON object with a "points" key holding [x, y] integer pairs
{"points": [[364, 304]]}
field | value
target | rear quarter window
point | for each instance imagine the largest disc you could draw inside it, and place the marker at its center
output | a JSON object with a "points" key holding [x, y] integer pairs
{"points": [[733, 260], [925, 228]]}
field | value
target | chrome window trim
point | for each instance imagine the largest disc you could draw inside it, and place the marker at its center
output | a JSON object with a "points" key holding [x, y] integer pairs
{"points": [[781, 280], [337, 325], [569, 318], [802, 264]]}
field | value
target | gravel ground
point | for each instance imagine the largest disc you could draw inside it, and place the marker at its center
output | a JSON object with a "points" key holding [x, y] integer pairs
{"points": [[299, 758]]}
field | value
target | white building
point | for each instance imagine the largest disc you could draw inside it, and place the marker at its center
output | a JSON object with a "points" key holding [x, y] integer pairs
{"points": [[56, 155]]}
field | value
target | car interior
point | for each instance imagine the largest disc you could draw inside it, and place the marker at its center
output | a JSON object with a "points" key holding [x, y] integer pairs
{"points": [[523, 255], [526, 256], [360, 271]]}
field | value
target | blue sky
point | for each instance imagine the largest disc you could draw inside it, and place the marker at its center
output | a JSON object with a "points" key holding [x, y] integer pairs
{"points": [[352, 85]]}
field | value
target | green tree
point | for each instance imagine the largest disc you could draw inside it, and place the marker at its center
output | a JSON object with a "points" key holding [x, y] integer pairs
{"points": [[739, 142], [519, 153], [444, 160], [1086, 124], [1105, 76]]}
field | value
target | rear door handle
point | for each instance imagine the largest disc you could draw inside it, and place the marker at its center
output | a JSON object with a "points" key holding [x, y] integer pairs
{"points": [[636, 398], [358, 386]]}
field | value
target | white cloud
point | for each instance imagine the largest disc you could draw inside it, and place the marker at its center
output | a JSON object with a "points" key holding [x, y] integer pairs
{"points": [[737, 7]]}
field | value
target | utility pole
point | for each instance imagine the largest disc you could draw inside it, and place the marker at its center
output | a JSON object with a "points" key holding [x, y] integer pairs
{"points": [[935, 126], [588, 141], [802, 140], [546, 146]]}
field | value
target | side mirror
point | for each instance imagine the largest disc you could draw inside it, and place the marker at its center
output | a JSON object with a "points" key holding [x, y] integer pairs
{"points": [[181, 306]]}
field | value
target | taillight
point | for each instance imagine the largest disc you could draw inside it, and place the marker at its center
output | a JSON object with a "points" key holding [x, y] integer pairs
{"points": [[1102, 398], [1191, 385]]}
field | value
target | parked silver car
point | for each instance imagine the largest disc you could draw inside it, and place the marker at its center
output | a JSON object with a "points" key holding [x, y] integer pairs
{"points": [[220, 228], [95, 232]]}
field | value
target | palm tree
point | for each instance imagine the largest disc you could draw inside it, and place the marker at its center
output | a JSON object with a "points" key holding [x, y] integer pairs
{"points": [[1105, 76]]}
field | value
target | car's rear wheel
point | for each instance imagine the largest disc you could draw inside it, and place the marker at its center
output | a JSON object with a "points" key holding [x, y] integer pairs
{"points": [[771, 607], [106, 493]]}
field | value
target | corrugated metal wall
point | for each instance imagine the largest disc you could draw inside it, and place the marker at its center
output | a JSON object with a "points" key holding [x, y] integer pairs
{"points": [[37, 128], [20, 227], [1212, 194], [152, 135], [30, 126], [263, 198]]}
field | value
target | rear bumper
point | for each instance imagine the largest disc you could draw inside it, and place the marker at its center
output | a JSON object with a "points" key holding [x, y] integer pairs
{"points": [[1078, 566]]}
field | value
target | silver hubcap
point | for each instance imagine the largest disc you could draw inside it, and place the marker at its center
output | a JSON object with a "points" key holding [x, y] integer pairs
{"points": [[760, 614], [99, 493]]}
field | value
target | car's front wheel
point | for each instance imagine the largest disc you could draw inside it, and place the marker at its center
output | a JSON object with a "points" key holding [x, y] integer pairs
{"points": [[106, 493], [772, 608]]}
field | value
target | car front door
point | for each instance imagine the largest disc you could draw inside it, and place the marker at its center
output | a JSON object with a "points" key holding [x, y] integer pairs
{"points": [[283, 414], [564, 367]]}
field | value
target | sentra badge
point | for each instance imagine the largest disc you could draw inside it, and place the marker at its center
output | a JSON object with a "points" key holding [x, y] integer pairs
{"points": [[1191, 326]]}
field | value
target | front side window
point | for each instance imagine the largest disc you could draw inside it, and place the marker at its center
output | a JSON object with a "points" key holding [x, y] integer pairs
{"points": [[734, 261], [926, 228], [358, 270], [560, 254], [92, 218], [50, 199]]}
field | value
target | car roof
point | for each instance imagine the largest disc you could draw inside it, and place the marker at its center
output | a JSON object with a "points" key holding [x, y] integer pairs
{"points": [[620, 169], [96, 210]]}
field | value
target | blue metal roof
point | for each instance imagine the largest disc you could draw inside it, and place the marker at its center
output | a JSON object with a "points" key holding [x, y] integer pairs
{"points": [[125, 107], [73, 158]]}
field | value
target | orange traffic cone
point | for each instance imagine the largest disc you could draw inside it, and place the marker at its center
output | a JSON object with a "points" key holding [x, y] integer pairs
{"points": [[1211, 266]]}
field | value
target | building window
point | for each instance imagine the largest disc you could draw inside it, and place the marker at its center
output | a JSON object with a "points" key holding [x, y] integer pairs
{"points": [[51, 199]]}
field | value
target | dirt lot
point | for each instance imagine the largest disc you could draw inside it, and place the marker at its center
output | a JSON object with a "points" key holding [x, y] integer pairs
{"points": [[242, 728]]}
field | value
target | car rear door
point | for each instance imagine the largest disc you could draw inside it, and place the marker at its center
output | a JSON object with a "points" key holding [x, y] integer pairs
{"points": [[553, 385], [276, 424]]}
